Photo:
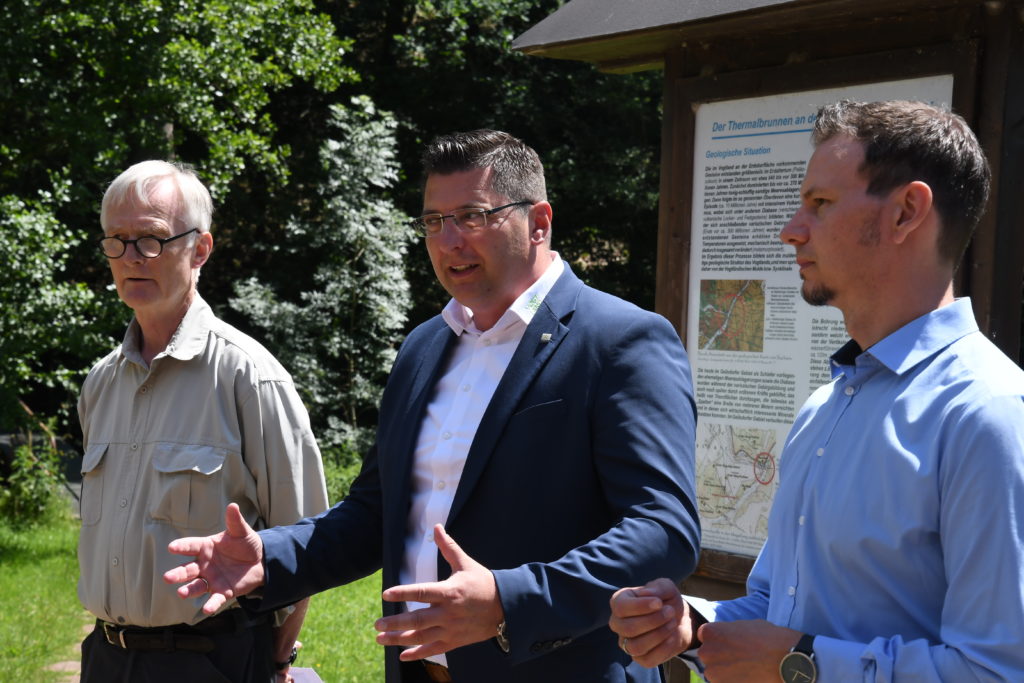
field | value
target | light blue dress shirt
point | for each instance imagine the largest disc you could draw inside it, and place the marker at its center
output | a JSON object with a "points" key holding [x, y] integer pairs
{"points": [[897, 533]]}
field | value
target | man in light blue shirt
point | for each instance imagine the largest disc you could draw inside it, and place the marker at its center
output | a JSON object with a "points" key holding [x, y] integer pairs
{"points": [[895, 548]]}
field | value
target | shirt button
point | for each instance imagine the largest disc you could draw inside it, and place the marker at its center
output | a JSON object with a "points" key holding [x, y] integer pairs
{"points": [[791, 590], [802, 520], [124, 502], [821, 451], [115, 562], [440, 485], [135, 446], [849, 391], [487, 342], [144, 389], [465, 387], [446, 435]]}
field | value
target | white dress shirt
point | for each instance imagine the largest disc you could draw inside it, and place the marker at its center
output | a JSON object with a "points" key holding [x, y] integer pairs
{"points": [[461, 396]]}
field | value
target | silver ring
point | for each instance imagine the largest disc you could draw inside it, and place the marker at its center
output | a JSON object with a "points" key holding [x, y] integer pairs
{"points": [[624, 645], [199, 578]]}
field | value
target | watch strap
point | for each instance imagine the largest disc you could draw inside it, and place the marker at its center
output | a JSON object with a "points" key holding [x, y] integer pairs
{"points": [[805, 645], [281, 666]]}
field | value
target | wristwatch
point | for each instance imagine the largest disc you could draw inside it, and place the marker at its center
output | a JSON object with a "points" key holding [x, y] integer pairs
{"points": [[798, 665], [281, 666]]}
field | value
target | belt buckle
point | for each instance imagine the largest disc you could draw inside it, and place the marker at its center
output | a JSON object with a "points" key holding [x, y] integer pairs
{"points": [[119, 641]]}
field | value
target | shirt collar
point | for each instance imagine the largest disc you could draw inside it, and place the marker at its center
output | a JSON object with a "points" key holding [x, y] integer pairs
{"points": [[915, 341], [460, 318], [187, 342]]}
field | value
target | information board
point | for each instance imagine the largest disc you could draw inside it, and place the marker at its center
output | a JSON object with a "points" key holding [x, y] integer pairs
{"points": [[756, 348]]}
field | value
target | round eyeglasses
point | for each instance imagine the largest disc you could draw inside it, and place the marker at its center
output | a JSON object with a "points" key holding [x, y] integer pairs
{"points": [[467, 220], [148, 247]]}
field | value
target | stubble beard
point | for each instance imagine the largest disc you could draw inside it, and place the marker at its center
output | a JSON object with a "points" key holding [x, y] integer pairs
{"points": [[817, 295]]}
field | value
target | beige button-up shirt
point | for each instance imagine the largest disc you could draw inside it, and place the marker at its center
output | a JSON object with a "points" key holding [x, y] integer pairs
{"points": [[215, 419]]}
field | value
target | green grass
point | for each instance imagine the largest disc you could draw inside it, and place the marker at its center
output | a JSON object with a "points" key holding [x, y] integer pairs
{"points": [[42, 619], [338, 636]]}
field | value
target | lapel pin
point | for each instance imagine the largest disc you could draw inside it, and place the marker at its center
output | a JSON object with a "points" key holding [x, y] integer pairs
{"points": [[545, 338]]}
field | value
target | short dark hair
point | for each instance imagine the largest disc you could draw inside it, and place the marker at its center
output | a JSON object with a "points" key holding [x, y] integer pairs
{"points": [[907, 141], [518, 173]]}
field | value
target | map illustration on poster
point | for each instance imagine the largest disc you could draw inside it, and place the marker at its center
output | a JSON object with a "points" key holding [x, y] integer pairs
{"points": [[757, 349]]}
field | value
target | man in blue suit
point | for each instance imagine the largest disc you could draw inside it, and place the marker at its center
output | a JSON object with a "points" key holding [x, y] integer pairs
{"points": [[546, 426]]}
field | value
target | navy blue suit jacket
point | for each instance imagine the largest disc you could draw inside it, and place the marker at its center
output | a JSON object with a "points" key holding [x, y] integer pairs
{"points": [[579, 481]]}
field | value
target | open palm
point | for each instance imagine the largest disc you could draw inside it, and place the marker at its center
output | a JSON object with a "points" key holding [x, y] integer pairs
{"points": [[226, 565]]}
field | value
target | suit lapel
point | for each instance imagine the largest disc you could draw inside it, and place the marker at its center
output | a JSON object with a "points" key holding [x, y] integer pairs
{"points": [[541, 340]]}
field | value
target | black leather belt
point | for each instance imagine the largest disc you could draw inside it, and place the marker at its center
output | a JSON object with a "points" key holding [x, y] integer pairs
{"points": [[192, 638], [437, 672]]}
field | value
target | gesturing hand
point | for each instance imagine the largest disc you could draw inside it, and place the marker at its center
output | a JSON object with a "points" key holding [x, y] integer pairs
{"points": [[464, 608], [227, 564], [653, 622]]}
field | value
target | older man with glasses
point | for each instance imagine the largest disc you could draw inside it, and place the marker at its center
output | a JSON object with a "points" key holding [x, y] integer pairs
{"points": [[185, 416]]}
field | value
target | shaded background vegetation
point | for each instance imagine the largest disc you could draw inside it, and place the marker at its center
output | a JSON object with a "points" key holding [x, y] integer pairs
{"points": [[306, 120]]}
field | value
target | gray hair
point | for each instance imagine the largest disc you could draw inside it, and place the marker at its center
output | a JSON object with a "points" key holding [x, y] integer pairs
{"points": [[136, 184]]}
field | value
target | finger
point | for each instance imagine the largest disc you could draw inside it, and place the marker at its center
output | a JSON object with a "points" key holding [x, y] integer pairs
{"points": [[416, 592], [186, 546], [423, 651], [182, 573], [195, 588], [418, 619], [651, 649], [216, 601], [632, 627], [409, 638], [630, 602], [650, 640], [666, 589], [234, 523], [450, 550]]}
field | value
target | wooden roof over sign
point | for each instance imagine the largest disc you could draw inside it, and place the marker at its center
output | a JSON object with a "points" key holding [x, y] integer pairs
{"points": [[633, 35]]}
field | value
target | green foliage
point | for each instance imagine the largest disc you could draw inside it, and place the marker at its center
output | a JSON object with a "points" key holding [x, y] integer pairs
{"points": [[29, 493], [154, 78], [338, 636], [43, 619], [49, 330], [339, 332], [341, 467]]}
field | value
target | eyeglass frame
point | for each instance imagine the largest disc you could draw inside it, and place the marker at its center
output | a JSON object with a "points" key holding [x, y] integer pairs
{"points": [[421, 227], [135, 242]]}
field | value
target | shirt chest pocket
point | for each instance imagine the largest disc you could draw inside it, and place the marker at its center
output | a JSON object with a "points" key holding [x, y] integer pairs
{"points": [[188, 488], [91, 500]]}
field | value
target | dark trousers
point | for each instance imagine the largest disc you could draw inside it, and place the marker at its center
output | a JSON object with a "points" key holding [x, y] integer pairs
{"points": [[243, 656]]}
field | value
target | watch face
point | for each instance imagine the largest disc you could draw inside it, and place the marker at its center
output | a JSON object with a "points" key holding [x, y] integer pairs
{"points": [[796, 667]]}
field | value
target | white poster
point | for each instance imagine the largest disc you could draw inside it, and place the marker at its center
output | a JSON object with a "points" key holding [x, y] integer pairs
{"points": [[757, 349]]}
